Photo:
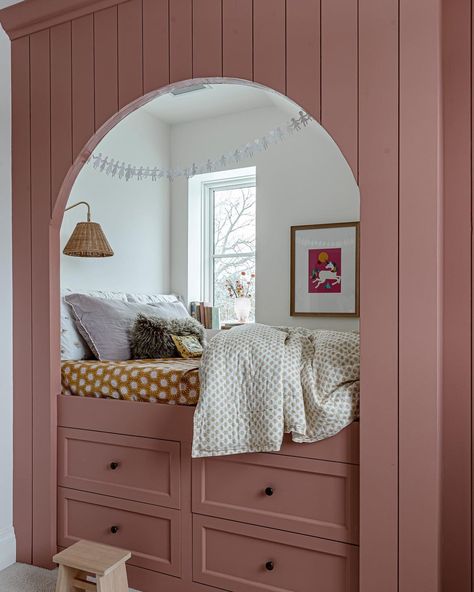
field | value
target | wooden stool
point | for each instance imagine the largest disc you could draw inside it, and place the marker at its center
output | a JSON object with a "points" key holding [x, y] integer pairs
{"points": [[84, 558]]}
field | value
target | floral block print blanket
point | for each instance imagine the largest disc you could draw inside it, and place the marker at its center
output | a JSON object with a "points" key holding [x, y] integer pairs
{"points": [[259, 382]]}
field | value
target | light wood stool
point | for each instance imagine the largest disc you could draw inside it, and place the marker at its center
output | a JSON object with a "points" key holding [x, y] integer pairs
{"points": [[84, 558]]}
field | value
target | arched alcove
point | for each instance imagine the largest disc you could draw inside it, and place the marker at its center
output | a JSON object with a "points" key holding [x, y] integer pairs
{"points": [[367, 72], [302, 178]]}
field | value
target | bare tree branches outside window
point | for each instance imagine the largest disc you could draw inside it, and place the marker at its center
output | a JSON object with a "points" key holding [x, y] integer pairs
{"points": [[234, 243]]}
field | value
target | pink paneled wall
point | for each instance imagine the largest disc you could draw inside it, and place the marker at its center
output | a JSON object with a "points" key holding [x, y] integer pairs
{"points": [[379, 188], [372, 72], [456, 411]]}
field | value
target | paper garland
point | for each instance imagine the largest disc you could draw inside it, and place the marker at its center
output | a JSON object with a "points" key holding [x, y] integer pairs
{"points": [[117, 168]]}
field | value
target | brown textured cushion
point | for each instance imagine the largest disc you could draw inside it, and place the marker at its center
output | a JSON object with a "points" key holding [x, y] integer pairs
{"points": [[151, 337]]}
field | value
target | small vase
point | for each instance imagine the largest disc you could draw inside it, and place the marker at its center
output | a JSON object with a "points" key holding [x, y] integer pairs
{"points": [[242, 308]]}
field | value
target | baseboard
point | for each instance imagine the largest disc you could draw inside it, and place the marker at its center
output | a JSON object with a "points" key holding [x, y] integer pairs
{"points": [[7, 547]]}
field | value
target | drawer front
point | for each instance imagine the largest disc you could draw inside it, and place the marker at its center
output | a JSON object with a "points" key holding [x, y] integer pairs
{"points": [[141, 469], [151, 533], [237, 557], [343, 447], [301, 495]]}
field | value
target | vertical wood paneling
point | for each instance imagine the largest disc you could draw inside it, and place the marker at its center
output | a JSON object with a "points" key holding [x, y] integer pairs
{"points": [[269, 43], [83, 104], [276, 43], [44, 461], [181, 46], [339, 75], [207, 38], [420, 362], [130, 51], [156, 63], [378, 151], [105, 64], [237, 39], [472, 295], [22, 359], [456, 411], [61, 107], [303, 54]]}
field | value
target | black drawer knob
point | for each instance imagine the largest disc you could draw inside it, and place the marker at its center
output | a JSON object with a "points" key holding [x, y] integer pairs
{"points": [[114, 465], [269, 565], [114, 529], [268, 490]]}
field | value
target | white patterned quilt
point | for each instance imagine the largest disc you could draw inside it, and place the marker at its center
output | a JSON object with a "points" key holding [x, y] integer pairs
{"points": [[259, 382]]}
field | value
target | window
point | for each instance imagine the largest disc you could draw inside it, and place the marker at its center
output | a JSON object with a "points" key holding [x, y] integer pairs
{"points": [[228, 240]]}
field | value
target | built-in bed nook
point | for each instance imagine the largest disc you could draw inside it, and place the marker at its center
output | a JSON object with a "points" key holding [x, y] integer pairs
{"points": [[185, 272], [209, 309]]}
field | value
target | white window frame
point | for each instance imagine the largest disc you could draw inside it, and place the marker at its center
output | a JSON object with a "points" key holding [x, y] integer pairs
{"points": [[207, 216]]}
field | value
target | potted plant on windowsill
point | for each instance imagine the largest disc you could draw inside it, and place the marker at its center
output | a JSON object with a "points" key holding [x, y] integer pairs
{"points": [[241, 291]]}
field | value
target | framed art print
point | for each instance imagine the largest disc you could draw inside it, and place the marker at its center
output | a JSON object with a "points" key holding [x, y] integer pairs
{"points": [[325, 270]]}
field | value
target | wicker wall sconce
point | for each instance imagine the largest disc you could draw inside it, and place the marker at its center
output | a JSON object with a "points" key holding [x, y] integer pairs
{"points": [[88, 238]]}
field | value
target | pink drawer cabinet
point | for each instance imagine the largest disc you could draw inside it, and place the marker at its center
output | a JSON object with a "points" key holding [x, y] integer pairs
{"points": [[295, 494], [134, 468], [243, 558], [152, 533]]}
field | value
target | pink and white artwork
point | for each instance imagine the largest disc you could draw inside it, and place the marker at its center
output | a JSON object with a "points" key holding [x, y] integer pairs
{"points": [[325, 271]]}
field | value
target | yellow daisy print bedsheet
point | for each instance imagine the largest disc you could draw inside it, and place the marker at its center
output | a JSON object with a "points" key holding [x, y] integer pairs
{"points": [[172, 381]]}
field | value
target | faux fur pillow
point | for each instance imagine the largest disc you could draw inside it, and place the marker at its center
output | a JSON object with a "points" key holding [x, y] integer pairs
{"points": [[151, 336]]}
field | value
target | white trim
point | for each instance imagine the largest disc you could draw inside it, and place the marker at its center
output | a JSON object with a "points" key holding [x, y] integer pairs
{"points": [[7, 547]]}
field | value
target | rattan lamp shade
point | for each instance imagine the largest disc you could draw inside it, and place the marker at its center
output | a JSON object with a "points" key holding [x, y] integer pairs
{"points": [[88, 240]]}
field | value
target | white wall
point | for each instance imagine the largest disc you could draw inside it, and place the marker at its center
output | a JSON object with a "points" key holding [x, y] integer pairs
{"points": [[134, 215], [7, 537], [303, 180]]}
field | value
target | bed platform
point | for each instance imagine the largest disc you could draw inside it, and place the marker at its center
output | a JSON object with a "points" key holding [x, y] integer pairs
{"points": [[286, 520], [173, 381]]}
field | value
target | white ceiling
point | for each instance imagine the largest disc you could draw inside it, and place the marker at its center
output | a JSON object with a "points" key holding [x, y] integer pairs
{"points": [[214, 100]]}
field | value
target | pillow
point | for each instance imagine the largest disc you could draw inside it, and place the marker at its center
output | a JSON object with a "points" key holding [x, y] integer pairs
{"points": [[73, 345], [151, 336], [152, 298], [188, 346], [106, 324]]}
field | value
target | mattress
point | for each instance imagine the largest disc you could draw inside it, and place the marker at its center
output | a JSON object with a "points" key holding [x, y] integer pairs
{"points": [[173, 381]]}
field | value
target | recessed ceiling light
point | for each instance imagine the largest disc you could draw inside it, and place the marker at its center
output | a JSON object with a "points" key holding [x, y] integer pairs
{"points": [[188, 89]]}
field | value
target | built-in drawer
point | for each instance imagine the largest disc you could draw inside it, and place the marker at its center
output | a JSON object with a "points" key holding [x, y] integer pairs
{"points": [[244, 558], [343, 447], [140, 469], [301, 495], [151, 533]]}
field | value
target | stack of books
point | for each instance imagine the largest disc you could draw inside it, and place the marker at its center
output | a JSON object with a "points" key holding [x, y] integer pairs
{"points": [[207, 315]]}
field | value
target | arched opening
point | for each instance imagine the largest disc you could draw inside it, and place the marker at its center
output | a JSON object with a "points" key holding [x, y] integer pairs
{"points": [[198, 187], [304, 163]]}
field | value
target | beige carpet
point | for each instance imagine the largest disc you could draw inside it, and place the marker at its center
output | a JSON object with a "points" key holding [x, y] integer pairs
{"points": [[26, 578]]}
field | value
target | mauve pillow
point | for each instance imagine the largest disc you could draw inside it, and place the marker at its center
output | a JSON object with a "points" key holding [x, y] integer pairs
{"points": [[106, 324], [73, 345]]}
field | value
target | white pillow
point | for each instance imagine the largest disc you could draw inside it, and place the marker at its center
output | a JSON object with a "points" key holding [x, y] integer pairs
{"points": [[73, 345], [152, 298]]}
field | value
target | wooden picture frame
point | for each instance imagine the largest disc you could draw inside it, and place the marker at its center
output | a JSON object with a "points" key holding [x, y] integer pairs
{"points": [[324, 248]]}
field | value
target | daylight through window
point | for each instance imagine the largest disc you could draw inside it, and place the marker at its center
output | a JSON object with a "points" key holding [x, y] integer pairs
{"points": [[231, 258]]}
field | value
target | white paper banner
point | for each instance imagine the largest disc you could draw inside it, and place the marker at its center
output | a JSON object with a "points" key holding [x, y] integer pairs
{"points": [[123, 171]]}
